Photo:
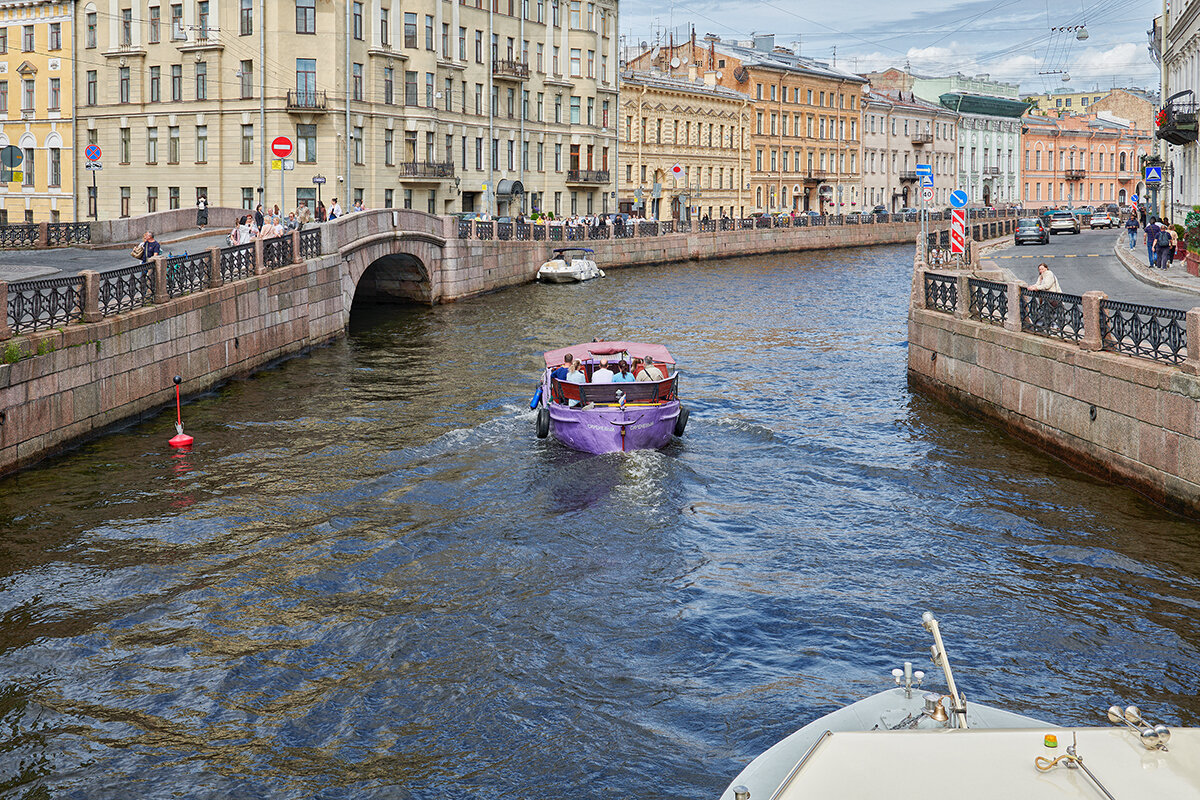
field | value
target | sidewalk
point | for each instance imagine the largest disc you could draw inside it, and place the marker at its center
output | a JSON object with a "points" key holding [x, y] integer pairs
{"points": [[1137, 262], [61, 262]]}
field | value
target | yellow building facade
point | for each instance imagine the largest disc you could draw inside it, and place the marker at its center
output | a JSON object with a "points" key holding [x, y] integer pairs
{"points": [[36, 110]]}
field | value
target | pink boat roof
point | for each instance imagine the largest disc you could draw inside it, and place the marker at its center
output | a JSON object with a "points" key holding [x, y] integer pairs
{"points": [[601, 349]]}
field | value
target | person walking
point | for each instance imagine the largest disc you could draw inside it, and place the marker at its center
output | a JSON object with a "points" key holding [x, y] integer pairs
{"points": [[1132, 227], [1168, 240], [1151, 241], [258, 216], [149, 247], [201, 212]]}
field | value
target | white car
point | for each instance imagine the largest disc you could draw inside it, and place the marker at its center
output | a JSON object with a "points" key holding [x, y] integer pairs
{"points": [[1101, 219]]}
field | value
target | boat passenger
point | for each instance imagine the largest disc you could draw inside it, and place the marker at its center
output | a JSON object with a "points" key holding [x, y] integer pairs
{"points": [[604, 374], [575, 375], [649, 371], [560, 372], [623, 374]]}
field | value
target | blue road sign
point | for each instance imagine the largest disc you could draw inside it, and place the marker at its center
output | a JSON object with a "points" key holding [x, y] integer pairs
{"points": [[924, 169], [1133, 199], [958, 198], [1153, 174], [92, 152], [927, 180]]}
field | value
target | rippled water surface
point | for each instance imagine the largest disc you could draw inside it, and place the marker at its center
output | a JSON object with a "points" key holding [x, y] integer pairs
{"points": [[370, 580]]}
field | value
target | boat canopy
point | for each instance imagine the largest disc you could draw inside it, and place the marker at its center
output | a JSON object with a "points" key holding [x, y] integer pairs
{"points": [[597, 349], [573, 250]]}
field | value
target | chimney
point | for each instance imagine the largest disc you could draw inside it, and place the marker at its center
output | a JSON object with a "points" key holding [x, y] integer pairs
{"points": [[710, 78], [764, 41], [693, 72]]}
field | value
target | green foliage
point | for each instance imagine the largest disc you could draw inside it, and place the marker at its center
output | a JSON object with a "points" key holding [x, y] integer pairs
{"points": [[45, 346], [1191, 233], [12, 353]]}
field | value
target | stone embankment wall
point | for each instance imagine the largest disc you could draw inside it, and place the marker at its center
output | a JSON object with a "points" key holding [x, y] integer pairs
{"points": [[65, 384], [1132, 420]]}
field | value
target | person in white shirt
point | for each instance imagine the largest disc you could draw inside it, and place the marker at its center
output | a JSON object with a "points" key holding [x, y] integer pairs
{"points": [[335, 210], [1046, 281], [602, 375], [575, 375]]}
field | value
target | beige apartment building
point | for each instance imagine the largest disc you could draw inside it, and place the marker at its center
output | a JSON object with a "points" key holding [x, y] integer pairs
{"points": [[901, 131], [805, 135], [438, 106], [685, 149]]}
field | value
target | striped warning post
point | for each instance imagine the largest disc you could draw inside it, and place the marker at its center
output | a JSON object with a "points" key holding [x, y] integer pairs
{"points": [[958, 230]]}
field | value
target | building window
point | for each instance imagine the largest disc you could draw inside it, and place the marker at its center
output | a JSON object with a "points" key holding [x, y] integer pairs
{"points": [[176, 82], [356, 138], [4, 95], [177, 32], [357, 20], [247, 197], [201, 144], [4, 38], [575, 62], [123, 148], [389, 147], [389, 81], [126, 27], [306, 144], [123, 84], [155, 84], [91, 31], [246, 18], [55, 99], [151, 199], [429, 90], [410, 30], [56, 36], [151, 145], [202, 19], [153, 25], [27, 180], [410, 88], [356, 81], [246, 74], [54, 164], [429, 32], [173, 197], [247, 144], [201, 80], [388, 198], [306, 16], [125, 201]]}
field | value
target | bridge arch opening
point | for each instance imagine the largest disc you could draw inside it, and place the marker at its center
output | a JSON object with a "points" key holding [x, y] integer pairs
{"points": [[395, 278]]}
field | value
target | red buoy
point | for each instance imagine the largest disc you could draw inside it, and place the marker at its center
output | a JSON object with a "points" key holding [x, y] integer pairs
{"points": [[180, 439]]}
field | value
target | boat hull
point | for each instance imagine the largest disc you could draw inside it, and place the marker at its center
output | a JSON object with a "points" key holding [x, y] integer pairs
{"points": [[607, 429], [559, 277]]}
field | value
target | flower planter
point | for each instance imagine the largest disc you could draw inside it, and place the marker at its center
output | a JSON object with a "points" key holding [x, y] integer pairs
{"points": [[1193, 263]]}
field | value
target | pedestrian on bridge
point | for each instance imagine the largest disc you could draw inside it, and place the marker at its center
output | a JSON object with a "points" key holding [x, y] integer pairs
{"points": [[201, 212]]}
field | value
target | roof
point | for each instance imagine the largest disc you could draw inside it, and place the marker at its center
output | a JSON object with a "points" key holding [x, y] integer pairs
{"points": [[987, 105], [900, 101], [586, 349], [785, 62], [673, 84]]}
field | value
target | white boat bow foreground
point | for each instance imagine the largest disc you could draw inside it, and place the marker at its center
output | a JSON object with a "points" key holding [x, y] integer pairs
{"points": [[901, 743]]}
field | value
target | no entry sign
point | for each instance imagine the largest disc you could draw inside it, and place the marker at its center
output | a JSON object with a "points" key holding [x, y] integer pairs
{"points": [[281, 147]]}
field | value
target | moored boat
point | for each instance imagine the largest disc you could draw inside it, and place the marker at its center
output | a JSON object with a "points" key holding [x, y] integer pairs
{"points": [[905, 743], [604, 417], [569, 265]]}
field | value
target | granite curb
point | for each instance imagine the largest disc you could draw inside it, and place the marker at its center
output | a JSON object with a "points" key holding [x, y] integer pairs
{"points": [[1134, 267]]}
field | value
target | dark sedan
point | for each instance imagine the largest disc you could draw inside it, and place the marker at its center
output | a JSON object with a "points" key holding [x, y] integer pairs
{"points": [[1031, 230]]}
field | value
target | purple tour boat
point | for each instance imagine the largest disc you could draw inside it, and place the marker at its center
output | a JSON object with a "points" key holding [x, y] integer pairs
{"points": [[608, 417]]}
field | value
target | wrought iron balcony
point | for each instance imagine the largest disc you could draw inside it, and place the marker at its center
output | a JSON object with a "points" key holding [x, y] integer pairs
{"points": [[587, 176], [909, 175], [1075, 174], [921, 138], [511, 69], [426, 170], [1177, 119], [306, 101], [814, 176]]}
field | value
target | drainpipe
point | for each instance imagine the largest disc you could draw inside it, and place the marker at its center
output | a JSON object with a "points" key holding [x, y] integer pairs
{"points": [[744, 123], [1162, 98], [493, 149], [349, 148], [262, 105]]}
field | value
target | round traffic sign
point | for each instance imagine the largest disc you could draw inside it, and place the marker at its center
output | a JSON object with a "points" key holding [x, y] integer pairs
{"points": [[11, 156], [92, 152], [1133, 199], [927, 194], [281, 146], [958, 198]]}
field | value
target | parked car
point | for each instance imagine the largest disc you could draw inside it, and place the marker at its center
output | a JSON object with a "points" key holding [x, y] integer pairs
{"points": [[879, 210], [1032, 230], [1100, 219], [1061, 222]]}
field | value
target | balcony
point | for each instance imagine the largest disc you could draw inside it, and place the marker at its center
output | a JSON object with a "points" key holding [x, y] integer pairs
{"points": [[1177, 119], [1075, 174], [587, 176], [814, 176], [919, 139], [509, 69], [991, 170], [425, 171], [307, 101], [909, 175]]}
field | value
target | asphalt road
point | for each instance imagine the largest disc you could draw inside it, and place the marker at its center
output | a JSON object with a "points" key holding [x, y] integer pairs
{"points": [[1085, 262], [59, 262]]}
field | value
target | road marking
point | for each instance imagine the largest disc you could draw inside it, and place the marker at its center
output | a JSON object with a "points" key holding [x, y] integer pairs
{"points": [[1057, 255]]}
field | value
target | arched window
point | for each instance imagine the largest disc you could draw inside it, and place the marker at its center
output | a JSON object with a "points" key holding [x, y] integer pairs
{"points": [[1122, 162], [758, 197]]}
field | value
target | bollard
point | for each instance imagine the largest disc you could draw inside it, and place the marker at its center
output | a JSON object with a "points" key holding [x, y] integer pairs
{"points": [[91, 296], [1092, 338]]}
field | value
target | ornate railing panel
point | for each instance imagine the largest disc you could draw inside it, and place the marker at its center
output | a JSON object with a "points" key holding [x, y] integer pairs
{"points": [[1052, 314], [521, 231], [598, 232], [576, 233], [988, 301], [238, 262], [539, 233], [941, 292], [126, 289], [464, 229], [1143, 331], [647, 229], [483, 230], [18, 235], [38, 305], [556, 233], [623, 231], [188, 273], [63, 233], [277, 252], [310, 243], [667, 226], [504, 231]]}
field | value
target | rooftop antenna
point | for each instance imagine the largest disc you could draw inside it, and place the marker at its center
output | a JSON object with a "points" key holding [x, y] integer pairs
{"points": [[835, 55]]}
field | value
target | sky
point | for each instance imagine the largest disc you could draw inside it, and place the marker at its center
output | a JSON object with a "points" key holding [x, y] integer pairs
{"points": [[1011, 40]]}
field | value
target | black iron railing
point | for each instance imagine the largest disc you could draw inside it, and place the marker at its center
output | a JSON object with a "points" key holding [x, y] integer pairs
{"points": [[237, 262], [126, 289], [510, 68], [941, 292], [187, 273], [277, 252], [1143, 331], [47, 303], [587, 176], [19, 235], [988, 301], [306, 101], [426, 169], [1052, 314], [65, 233], [310, 243]]}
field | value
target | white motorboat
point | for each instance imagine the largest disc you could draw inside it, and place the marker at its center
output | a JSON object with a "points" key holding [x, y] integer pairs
{"points": [[906, 744], [570, 265]]}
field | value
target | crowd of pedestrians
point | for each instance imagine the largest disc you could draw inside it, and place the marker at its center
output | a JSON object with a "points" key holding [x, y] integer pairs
{"points": [[1159, 237]]}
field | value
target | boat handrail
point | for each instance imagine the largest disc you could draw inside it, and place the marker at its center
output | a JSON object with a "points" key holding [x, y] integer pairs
{"points": [[635, 391], [800, 765]]}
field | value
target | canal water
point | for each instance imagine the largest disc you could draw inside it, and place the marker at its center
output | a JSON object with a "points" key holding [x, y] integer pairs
{"points": [[370, 579]]}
